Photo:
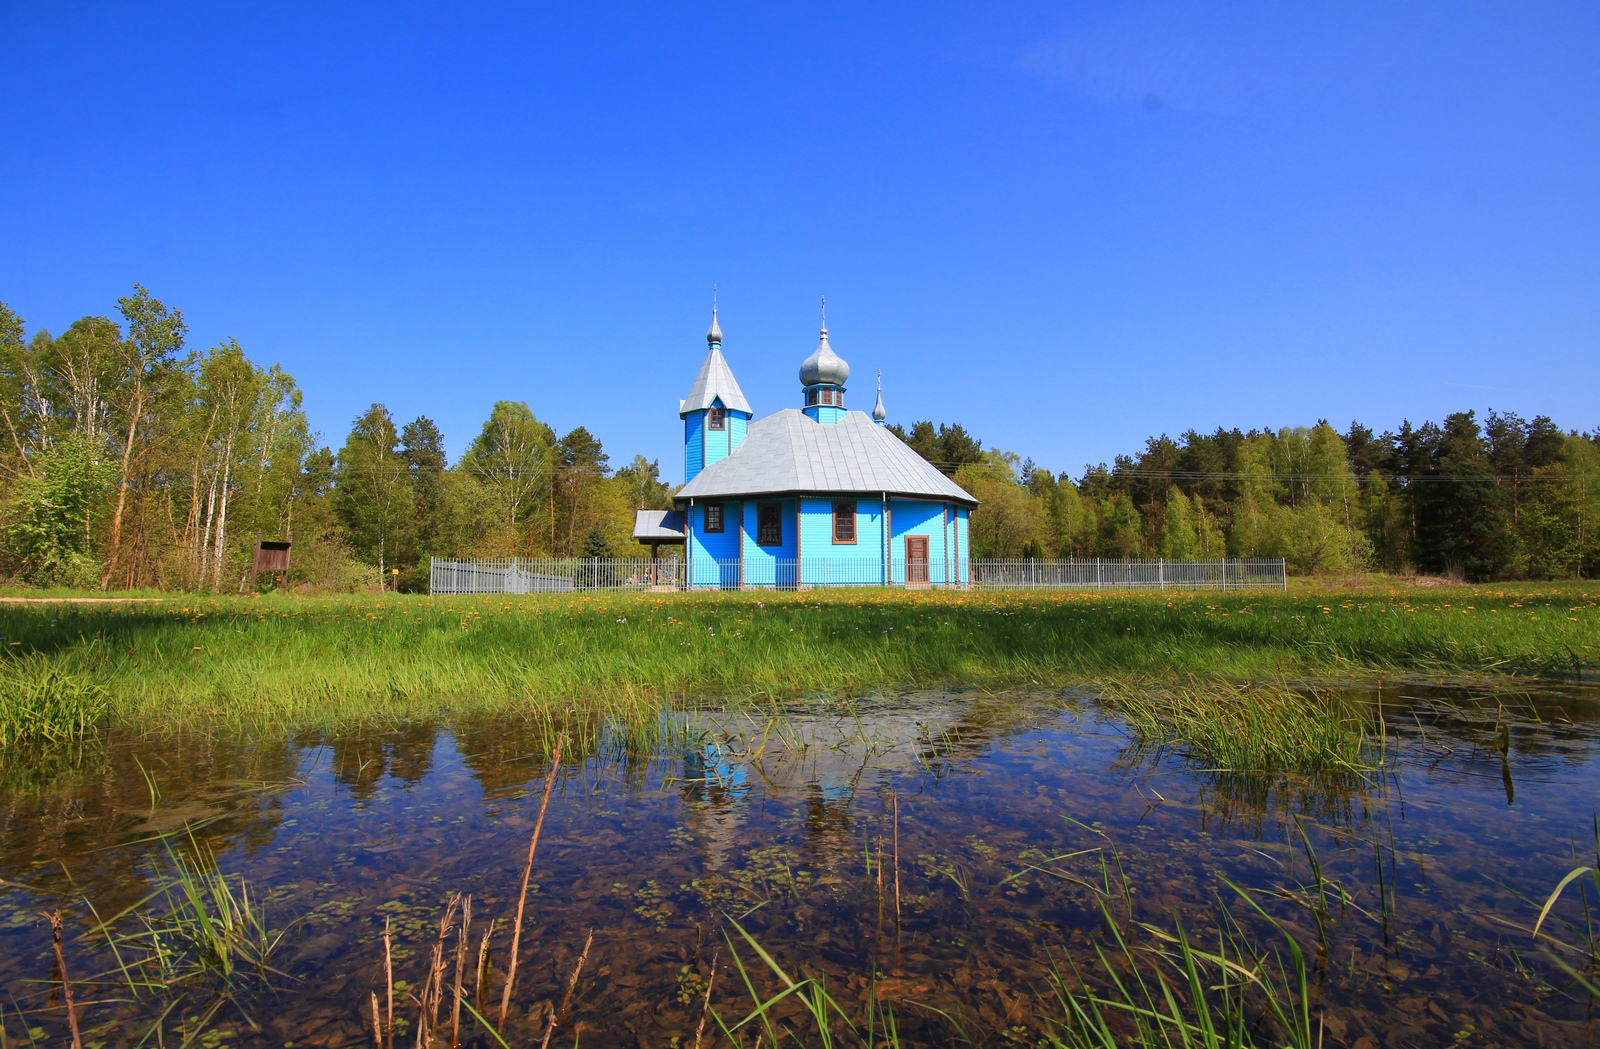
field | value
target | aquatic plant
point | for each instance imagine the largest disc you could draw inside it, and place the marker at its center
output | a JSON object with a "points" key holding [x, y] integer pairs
{"points": [[1588, 935], [1252, 727], [830, 1022], [45, 705], [1238, 996], [206, 929]]}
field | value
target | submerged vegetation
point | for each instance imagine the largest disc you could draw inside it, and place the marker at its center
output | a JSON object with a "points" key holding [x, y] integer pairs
{"points": [[283, 661]]}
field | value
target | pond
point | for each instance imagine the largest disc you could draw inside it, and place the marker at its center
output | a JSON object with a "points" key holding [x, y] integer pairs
{"points": [[1011, 830]]}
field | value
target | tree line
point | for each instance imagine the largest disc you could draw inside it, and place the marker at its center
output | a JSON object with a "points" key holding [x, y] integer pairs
{"points": [[129, 459], [1506, 498]]}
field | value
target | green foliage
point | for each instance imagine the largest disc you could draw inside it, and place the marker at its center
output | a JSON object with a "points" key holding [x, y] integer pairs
{"points": [[513, 459], [1013, 522], [595, 544], [580, 470], [1181, 541], [949, 447], [209, 930], [373, 493], [1463, 515], [1121, 532], [51, 516], [1510, 499], [641, 482], [172, 462]]}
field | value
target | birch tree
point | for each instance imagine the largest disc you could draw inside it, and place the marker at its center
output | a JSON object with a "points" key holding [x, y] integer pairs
{"points": [[155, 335]]}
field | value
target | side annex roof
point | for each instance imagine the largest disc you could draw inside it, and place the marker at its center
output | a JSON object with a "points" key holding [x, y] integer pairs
{"points": [[789, 452], [660, 525]]}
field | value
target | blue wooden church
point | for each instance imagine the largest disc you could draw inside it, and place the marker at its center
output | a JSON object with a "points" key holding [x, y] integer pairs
{"points": [[814, 496]]}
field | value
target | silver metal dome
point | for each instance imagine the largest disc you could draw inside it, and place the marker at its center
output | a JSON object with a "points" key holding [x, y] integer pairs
{"points": [[714, 333], [824, 366], [879, 412]]}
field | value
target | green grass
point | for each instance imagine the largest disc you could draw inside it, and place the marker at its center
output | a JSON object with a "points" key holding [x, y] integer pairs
{"points": [[286, 661]]}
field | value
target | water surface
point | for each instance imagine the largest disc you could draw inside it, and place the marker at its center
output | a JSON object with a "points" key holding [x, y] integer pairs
{"points": [[1017, 817]]}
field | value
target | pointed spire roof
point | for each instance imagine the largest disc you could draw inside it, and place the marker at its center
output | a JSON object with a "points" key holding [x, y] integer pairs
{"points": [[715, 381], [879, 413]]}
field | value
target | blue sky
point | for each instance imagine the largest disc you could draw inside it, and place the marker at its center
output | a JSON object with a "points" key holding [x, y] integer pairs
{"points": [[1066, 226]]}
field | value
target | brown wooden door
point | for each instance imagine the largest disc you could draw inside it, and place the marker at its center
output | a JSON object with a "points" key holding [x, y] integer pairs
{"points": [[916, 560]]}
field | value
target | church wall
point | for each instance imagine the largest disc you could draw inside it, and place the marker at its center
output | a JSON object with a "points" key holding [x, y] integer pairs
{"points": [[825, 562], [716, 554], [693, 459], [912, 517], [720, 443], [961, 571], [704, 446], [825, 413], [769, 565]]}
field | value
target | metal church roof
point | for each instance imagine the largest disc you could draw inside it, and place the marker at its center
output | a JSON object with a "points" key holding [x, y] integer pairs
{"points": [[715, 380], [789, 452]]}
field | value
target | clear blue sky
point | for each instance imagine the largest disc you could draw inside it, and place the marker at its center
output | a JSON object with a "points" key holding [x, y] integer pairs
{"points": [[1066, 226]]}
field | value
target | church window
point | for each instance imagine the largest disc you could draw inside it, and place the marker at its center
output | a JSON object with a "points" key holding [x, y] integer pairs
{"points": [[811, 397], [713, 517], [715, 418], [844, 522], [769, 525]]}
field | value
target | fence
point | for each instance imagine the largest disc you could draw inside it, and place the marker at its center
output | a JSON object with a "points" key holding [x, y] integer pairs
{"points": [[513, 575], [1234, 573]]}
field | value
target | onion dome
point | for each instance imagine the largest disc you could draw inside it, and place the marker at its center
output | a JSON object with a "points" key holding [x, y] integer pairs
{"points": [[824, 367], [879, 413], [714, 333]]}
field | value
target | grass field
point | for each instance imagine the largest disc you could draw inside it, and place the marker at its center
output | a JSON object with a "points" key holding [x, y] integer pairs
{"points": [[286, 661]]}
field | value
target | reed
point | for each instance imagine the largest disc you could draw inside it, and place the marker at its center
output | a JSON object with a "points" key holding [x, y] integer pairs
{"points": [[527, 872], [66, 982], [561, 1013]]}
